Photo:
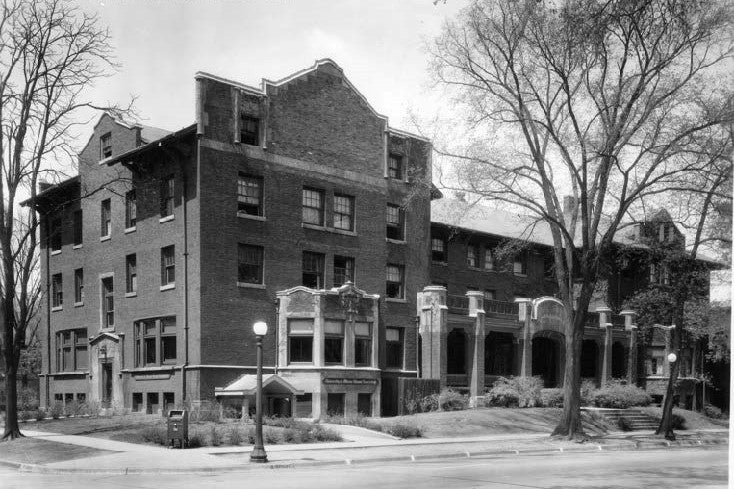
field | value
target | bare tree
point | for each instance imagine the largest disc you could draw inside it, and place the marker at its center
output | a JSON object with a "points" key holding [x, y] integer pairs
{"points": [[602, 101], [50, 54]]}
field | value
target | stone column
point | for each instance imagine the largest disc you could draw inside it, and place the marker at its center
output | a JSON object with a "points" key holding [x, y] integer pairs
{"points": [[526, 343], [606, 325], [433, 314], [629, 318], [476, 376]]}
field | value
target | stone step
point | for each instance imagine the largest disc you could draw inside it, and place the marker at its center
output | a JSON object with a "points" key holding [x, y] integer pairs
{"points": [[634, 419]]}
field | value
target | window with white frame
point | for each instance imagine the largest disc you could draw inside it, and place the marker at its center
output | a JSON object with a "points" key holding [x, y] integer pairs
{"points": [[131, 274], [472, 256], [395, 166], [313, 270], [71, 350], [166, 195], [131, 209], [249, 264], [79, 285], [488, 259], [334, 342], [343, 270], [300, 341], [395, 223], [57, 291], [108, 303], [313, 206], [344, 212], [105, 146], [394, 288], [394, 346], [168, 265], [105, 218], [250, 195], [363, 344]]}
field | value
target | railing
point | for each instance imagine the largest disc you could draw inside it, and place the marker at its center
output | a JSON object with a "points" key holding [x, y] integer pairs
{"points": [[592, 320], [460, 304]]}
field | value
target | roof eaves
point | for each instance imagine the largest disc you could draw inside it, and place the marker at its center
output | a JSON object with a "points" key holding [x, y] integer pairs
{"points": [[151, 145], [242, 86], [54, 188]]}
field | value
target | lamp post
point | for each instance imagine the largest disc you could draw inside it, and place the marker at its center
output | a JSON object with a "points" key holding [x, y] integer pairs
{"points": [[258, 454]]}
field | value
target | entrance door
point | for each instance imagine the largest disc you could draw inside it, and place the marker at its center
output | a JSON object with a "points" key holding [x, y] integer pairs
{"points": [[545, 360], [107, 384]]}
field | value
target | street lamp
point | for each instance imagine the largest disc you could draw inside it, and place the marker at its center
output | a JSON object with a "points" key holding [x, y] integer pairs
{"points": [[258, 454]]}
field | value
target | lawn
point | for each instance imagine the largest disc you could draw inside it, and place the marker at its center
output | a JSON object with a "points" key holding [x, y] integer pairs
{"points": [[35, 451], [694, 420]]}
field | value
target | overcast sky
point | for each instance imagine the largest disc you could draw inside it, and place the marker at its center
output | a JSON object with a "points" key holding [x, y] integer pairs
{"points": [[161, 44]]}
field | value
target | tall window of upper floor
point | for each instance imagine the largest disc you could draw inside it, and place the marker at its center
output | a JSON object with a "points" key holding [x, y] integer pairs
{"points": [[131, 209], [313, 270], [155, 342], [167, 195], [395, 223], [55, 233], [488, 259], [131, 274], [395, 166], [343, 270], [300, 341], [249, 264], [79, 286], [472, 256], [105, 146], [520, 264], [395, 285], [57, 291], [313, 206], [249, 195], [344, 212], [249, 130], [105, 229], [168, 266], [108, 303], [78, 227], [438, 250]]}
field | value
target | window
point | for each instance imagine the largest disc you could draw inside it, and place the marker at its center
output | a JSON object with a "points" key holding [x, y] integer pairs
{"points": [[105, 146], [362, 344], [395, 222], [250, 195], [55, 237], [666, 231], [488, 259], [71, 350], [472, 256], [166, 196], [249, 264], [105, 218], [300, 341], [335, 404], [108, 303], [343, 270], [489, 295], [364, 404], [313, 206], [131, 210], [549, 267], [131, 282], [78, 228], [168, 265], [394, 287], [334, 342], [155, 342], [57, 292], [313, 270], [394, 347], [79, 285], [137, 404], [520, 265], [344, 212], [249, 130], [438, 250], [395, 166]]}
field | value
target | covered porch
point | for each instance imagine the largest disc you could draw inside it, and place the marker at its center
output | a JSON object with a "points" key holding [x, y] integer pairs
{"points": [[279, 397]]}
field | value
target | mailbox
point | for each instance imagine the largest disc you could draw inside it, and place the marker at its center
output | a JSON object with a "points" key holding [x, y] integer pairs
{"points": [[178, 428]]}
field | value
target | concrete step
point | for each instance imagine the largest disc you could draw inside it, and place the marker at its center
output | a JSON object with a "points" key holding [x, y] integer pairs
{"points": [[634, 419]]}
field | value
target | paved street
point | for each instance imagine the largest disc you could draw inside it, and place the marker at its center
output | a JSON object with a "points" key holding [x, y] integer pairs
{"points": [[649, 469]]}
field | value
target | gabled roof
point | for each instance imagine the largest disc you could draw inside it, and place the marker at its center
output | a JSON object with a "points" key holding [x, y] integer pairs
{"points": [[247, 386], [61, 190]]}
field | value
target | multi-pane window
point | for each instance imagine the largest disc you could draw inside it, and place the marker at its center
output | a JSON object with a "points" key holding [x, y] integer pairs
{"points": [[334, 342], [438, 250], [155, 342], [78, 227], [55, 234], [343, 270], [57, 292], [71, 350], [313, 206], [344, 212], [300, 340], [249, 195], [394, 347], [108, 302], [249, 264], [520, 264], [131, 209], [313, 270], [395, 166], [363, 344], [168, 265], [79, 285], [131, 274], [166, 195], [488, 259], [394, 288], [489, 295], [249, 130], [105, 146], [472, 256], [105, 223], [395, 218]]}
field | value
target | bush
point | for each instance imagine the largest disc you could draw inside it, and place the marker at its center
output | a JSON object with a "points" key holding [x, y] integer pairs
{"points": [[40, 414], [291, 435], [677, 422], [155, 434], [57, 409], [413, 391], [404, 430], [319, 433], [90, 408], [24, 415], [235, 435], [711, 411], [620, 395], [551, 397], [196, 439], [623, 424], [71, 408], [515, 392], [27, 399], [359, 420], [588, 389], [450, 400], [215, 437], [204, 411]]}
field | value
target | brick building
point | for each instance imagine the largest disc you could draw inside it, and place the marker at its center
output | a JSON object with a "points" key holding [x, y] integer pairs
{"points": [[296, 204]]}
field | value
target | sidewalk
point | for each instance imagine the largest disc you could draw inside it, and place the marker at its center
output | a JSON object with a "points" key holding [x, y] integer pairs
{"points": [[364, 446]]}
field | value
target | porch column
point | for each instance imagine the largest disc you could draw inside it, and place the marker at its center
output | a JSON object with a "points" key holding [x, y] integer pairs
{"points": [[524, 313], [476, 377], [629, 318], [606, 325], [433, 314]]}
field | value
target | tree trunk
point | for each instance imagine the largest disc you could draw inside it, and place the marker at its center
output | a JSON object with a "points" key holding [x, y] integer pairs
{"points": [[570, 425], [666, 423], [12, 430]]}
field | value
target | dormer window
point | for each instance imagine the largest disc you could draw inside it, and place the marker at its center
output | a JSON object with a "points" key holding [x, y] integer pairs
{"points": [[666, 232], [250, 130], [395, 166], [105, 146]]}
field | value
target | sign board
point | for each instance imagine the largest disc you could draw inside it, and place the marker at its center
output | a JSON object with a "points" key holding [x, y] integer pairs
{"points": [[342, 381]]}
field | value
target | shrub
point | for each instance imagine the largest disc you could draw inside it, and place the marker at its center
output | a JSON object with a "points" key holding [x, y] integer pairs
{"points": [[215, 437], [57, 409], [412, 391], [712, 412], [620, 395], [90, 408], [196, 439], [40, 414], [677, 422], [271, 436], [204, 411], [235, 435], [155, 434], [291, 435], [551, 397], [450, 400], [623, 424], [27, 399], [404, 430], [24, 415], [319, 433], [251, 435], [515, 391], [71, 408], [292, 422], [588, 389]]}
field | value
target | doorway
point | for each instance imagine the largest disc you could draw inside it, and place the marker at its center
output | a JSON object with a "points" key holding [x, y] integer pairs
{"points": [[106, 380]]}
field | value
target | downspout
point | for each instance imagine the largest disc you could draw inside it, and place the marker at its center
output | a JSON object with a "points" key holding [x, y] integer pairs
{"points": [[276, 329], [186, 277], [48, 313]]}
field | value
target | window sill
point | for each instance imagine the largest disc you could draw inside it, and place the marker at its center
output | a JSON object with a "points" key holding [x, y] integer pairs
{"points": [[131, 294], [519, 274], [105, 238], [440, 263], [316, 227], [57, 308], [395, 241], [345, 232], [78, 304], [247, 285], [131, 229], [167, 218], [395, 299], [326, 229], [77, 246], [55, 252], [168, 287], [243, 215]]}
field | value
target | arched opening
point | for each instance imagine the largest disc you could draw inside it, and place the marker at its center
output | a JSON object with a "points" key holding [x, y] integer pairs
{"points": [[499, 351], [619, 361], [456, 352], [589, 359], [547, 358]]}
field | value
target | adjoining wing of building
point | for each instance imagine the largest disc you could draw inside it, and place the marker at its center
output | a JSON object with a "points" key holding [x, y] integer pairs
{"points": [[297, 204]]}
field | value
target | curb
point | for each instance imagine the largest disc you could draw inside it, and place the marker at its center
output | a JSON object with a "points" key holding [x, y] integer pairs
{"points": [[590, 448]]}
